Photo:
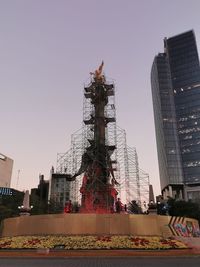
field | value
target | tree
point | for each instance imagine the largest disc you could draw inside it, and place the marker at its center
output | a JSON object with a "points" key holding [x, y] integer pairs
{"points": [[9, 204], [55, 207], [184, 209], [5, 212], [133, 207], [39, 206]]}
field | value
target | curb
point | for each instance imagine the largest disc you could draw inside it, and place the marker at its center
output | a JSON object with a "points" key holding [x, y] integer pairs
{"points": [[99, 253]]}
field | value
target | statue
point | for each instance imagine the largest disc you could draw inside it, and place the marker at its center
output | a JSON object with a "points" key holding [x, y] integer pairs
{"points": [[97, 75], [98, 184]]}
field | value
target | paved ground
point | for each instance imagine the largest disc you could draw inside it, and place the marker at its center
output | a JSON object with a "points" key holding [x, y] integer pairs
{"points": [[193, 261]]}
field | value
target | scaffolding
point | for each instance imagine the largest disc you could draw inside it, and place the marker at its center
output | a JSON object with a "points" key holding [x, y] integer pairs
{"points": [[70, 162], [133, 182]]}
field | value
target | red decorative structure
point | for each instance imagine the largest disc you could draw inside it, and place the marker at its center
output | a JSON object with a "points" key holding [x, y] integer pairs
{"points": [[101, 199], [98, 185], [68, 207]]}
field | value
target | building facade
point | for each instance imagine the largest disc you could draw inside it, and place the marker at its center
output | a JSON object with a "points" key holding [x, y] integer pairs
{"points": [[6, 165], [175, 82], [59, 188]]}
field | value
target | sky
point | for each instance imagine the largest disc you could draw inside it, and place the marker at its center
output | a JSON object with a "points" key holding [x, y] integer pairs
{"points": [[47, 50]]}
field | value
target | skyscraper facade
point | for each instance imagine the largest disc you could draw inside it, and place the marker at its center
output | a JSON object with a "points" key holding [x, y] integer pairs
{"points": [[175, 83]]}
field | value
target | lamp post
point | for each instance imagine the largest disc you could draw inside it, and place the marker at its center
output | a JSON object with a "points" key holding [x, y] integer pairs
{"points": [[159, 212]]}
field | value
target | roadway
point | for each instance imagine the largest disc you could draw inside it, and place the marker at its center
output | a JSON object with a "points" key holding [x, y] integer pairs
{"points": [[193, 261]]}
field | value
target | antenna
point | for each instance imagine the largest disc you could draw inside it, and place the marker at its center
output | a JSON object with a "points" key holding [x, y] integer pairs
{"points": [[18, 173]]}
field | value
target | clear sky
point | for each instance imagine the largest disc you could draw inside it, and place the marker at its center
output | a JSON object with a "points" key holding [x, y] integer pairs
{"points": [[48, 48]]}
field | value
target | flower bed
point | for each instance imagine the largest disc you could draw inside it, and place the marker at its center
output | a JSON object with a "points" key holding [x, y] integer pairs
{"points": [[90, 242]]}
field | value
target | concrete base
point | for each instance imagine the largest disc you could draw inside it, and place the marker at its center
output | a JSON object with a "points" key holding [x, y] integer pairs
{"points": [[88, 224]]}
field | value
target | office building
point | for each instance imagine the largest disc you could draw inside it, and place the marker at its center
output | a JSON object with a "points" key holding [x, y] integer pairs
{"points": [[6, 165], [175, 82], [59, 188]]}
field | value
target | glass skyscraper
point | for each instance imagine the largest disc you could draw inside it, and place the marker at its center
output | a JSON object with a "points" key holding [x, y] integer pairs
{"points": [[175, 82]]}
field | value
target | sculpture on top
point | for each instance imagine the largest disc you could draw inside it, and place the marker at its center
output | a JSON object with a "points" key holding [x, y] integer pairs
{"points": [[98, 185], [97, 75]]}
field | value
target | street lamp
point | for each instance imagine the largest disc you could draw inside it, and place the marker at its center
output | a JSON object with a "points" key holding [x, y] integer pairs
{"points": [[24, 211]]}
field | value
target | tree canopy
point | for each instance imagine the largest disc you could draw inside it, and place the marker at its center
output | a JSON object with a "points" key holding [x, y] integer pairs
{"points": [[184, 208], [134, 207]]}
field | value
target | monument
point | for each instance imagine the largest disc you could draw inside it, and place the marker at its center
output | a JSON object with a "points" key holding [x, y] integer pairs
{"points": [[25, 208], [99, 196], [98, 184]]}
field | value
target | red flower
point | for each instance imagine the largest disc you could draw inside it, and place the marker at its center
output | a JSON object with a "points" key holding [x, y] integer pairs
{"points": [[32, 242], [104, 238], [5, 244], [139, 241], [169, 242]]}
